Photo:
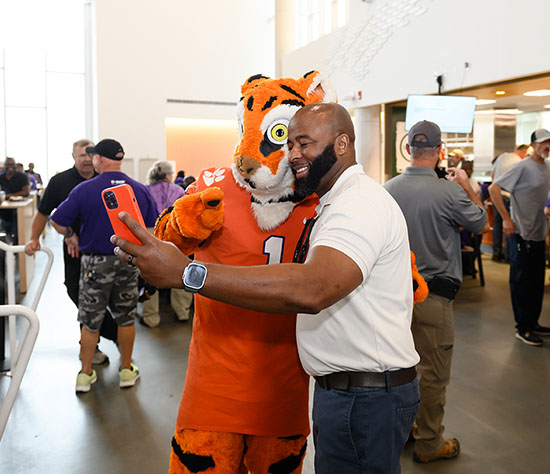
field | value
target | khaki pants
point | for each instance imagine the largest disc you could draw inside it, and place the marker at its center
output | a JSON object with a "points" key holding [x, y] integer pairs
{"points": [[179, 299], [433, 333]]}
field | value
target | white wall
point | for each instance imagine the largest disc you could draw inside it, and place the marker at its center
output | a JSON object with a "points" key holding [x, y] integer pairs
{"points": [[148, 51], [500, 39]]}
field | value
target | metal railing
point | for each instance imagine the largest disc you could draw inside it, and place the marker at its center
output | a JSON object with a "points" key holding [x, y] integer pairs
{"points": [[19, 354]]}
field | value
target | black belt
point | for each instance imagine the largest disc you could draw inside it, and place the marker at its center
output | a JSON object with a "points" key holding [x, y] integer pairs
{"points": [[90, 254], [344, 380]]}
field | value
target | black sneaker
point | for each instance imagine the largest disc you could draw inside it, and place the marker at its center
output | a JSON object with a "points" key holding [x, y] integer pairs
{"points": [[529, 338], [541, 330]]}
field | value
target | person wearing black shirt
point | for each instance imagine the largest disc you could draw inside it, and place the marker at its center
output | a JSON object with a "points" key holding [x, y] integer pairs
{"points": [[55, 193], [14, 182]]}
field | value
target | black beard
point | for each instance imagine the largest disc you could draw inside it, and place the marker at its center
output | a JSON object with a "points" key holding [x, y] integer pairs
{"points": [[319, 167]]}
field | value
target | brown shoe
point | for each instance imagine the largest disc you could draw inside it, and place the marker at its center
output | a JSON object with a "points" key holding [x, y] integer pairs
{"points": [[449, 450]]}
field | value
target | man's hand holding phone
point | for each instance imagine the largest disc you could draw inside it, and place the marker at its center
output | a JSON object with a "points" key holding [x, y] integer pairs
{"points": [[122, 198]]}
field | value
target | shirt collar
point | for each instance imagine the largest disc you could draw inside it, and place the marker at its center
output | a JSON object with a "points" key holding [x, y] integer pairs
{"points": [[338, 186], [420, 171]]}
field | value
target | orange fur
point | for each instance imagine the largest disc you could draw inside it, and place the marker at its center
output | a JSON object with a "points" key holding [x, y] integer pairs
{"points": [[192, 219], [421, 292], [236, 453]]}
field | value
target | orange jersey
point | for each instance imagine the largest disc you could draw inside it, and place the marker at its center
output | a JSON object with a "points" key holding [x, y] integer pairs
{"points": [[244, 373]]}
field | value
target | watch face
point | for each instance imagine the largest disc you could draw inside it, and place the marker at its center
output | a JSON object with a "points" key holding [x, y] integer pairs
{"points": [[195, 276]]}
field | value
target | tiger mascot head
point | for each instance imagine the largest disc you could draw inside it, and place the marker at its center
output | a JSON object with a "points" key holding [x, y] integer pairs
{"points": [[260, 163]]}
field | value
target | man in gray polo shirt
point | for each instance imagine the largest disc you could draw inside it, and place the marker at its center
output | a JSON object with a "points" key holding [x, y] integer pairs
{"points": [[528, 183], [434, 210]]}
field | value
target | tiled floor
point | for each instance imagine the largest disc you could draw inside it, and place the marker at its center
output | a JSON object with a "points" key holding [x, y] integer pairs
{"points": [[498, 401]]}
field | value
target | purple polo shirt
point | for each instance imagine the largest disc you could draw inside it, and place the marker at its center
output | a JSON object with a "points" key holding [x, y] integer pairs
{"points": [[84, 202]]}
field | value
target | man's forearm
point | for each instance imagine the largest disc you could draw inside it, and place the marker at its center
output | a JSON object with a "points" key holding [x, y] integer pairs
{"points": [[472, 195], [61, 229], [496, 197], [282, 288], [38, 224]]}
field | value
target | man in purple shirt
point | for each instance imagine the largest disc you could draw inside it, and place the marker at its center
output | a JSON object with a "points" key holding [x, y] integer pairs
{"points": [[103, 281]]}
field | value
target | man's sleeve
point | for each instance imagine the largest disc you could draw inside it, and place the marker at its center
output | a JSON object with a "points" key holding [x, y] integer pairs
{"points": [[509, 180], [353, 233], [465, 213], [68, 211], [49, 200]]}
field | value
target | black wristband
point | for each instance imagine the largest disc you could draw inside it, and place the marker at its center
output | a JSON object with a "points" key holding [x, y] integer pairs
{"points": [[69, 233]]}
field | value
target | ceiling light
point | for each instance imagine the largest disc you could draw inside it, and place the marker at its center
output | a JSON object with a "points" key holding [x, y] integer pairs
{"points": [[499, 111], [500, 92], [539, 93], [547, 106], [485, 101]]}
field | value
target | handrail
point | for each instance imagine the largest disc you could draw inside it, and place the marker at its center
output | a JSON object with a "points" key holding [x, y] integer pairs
{"points": [[19, 354], [28, 339], [11, 250]]}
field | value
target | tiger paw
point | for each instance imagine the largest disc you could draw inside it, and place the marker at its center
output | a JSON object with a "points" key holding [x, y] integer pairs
{"points": [[192, 219]]}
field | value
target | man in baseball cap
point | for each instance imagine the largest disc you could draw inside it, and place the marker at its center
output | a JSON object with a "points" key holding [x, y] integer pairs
{"points": [[109, 284], [434, 238], [108, 148], [539, 136], [528, 185], [424, 134]]}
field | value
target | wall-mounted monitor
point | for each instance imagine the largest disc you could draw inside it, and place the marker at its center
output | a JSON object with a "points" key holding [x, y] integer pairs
{"points": [[453, 114]]}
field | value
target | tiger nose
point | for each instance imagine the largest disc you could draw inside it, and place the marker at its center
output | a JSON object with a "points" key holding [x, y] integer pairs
{"points": [[247, 166]]}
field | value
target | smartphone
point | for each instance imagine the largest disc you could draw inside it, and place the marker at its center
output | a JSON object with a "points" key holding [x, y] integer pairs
{"points": [[122, 198]]}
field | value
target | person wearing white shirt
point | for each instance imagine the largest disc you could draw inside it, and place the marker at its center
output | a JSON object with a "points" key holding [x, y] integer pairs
{"points": [[353, 295]]}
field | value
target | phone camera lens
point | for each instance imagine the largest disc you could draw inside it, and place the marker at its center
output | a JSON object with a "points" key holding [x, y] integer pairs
{"points": [[110, 200]]}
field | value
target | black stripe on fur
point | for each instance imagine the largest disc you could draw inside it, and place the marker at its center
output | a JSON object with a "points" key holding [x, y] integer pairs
{"points": [[193, 462], [292, 91], [288, 464]]}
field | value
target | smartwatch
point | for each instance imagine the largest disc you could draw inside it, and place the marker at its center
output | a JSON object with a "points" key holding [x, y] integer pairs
{"points": [[194, 277]]}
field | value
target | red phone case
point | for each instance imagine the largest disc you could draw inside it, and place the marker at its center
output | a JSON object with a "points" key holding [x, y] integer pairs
{"points": [[125, 200]]}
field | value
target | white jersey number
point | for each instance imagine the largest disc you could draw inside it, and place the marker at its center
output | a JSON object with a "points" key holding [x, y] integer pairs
{"points": [[273, 248]]}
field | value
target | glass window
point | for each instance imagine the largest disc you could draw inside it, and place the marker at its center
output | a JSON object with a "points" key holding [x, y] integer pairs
{"points": [[25, 72], [26, 136], [2, 118], [65, 38], [66, 118]]}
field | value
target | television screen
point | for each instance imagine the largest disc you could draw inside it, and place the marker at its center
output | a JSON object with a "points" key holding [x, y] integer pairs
{"points": [[453, 114]]}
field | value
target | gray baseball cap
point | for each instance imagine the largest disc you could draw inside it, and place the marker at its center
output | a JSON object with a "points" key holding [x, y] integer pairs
{"points": [[540, 135], [430, 131]]}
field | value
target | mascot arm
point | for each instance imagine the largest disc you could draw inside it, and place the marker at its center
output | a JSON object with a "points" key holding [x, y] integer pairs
{"points": [[191, 220], [419, 284]]}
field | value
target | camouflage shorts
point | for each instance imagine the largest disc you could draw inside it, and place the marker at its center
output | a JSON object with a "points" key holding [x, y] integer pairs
{"points": [[105, 281]]}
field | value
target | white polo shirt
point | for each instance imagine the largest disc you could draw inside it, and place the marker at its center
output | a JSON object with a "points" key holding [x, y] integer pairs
{"points": [[370, 329]]}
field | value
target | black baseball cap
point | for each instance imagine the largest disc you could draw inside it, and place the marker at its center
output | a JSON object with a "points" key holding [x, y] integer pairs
{"points": [[430, 131], [108, 148], [540, 135]]}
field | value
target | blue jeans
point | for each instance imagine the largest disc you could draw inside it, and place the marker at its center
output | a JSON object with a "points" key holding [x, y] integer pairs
{"points": [[497, 232], [362, 429]]}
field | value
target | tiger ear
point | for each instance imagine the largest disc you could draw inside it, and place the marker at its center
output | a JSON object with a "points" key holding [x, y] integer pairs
{"points": [[319, 87], [252, 81]]}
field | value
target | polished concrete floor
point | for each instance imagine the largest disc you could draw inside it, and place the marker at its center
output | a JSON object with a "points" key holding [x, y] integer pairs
{"points": [[498, 402]]}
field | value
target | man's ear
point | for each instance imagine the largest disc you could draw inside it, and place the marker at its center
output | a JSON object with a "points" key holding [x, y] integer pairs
{"points": [[408, 148], [341, 144]]}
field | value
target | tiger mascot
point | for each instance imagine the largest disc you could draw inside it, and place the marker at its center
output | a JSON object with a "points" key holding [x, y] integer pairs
{"points": [[244, 406], [245, 401]]}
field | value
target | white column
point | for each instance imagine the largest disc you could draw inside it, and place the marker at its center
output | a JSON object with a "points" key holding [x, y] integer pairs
{"points": [[368, 141], [285, 32]]}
